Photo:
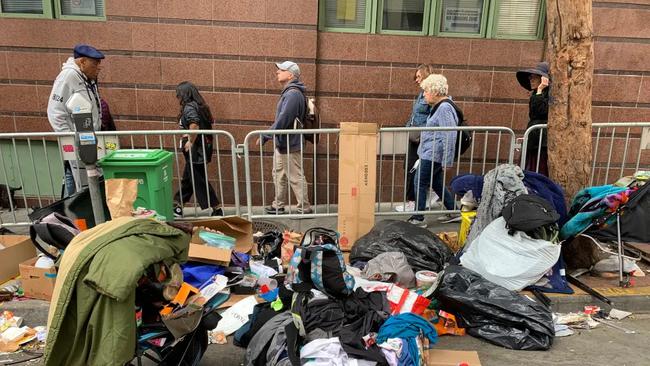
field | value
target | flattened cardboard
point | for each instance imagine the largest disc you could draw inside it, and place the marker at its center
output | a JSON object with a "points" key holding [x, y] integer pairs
{"points": [[233, 299], [443, 357], [234, 226], [357, 181], [38, 283], [17, 249]]}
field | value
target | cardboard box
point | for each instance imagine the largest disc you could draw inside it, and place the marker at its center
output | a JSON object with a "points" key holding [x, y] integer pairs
{"points": [[38, 283], [14, 249], [357, 181], [233, 226], [442, 357]]}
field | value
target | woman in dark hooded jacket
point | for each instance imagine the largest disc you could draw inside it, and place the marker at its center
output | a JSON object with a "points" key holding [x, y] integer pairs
{"points": [[197, 150], [537, 81]]}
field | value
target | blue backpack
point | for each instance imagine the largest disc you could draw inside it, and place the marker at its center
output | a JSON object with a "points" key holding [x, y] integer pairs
{"points": [[318, 263]]}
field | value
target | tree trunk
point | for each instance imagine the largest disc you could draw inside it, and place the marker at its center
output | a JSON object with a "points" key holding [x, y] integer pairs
{"points": [[571, 57]]}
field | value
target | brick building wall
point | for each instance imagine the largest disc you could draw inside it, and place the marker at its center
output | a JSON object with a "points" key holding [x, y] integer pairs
{"points": [[228, 47]]}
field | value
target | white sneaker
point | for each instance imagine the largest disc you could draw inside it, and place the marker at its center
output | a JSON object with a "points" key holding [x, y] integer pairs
{"points": [[448, 218], [409, 207], [416, 222]]}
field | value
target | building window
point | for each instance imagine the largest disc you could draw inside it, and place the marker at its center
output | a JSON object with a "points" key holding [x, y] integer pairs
{"points": [[26, 8], [22, 6], [403, 15], [461, 16], [346, 14], [514, 19], [82, 8], [62, 9], [518, 18]]}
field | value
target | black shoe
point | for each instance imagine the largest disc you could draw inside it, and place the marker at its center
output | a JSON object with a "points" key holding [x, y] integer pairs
{"points": [[217, 212], [270, 210], [178, 211]]}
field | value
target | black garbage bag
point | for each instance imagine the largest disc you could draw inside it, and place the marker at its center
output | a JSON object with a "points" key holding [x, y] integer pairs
{"points": [[423, 249], [76, 207], [491, 312]]}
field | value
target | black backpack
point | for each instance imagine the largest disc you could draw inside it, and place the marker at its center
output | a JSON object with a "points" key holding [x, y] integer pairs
{"points": [[53, 230], [464, 138], [311, 119], [318, 263], [528, 212]]}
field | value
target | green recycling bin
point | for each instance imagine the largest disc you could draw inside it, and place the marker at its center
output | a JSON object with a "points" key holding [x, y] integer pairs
{"points": [[153, 169]]}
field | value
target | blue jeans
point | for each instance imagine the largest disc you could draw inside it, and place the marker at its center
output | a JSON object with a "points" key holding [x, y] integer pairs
{"points": [[423, 183]]}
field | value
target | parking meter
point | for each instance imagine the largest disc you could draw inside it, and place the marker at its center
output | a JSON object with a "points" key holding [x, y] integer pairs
{"points": [[81, 111]]}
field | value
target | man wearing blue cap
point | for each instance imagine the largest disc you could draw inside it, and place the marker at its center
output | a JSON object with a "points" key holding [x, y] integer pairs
{"points": [[78, 75], [287, 160]]}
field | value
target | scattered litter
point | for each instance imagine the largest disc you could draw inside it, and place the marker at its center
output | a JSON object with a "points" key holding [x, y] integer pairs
{"points": [[619, 314], [8, 320], [562, 330], [612, 325], [575, 320], [217, 338]]}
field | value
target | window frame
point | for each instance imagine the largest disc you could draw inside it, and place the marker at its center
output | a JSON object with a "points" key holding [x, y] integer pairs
{"points": [[434, 27], [47, 12], [425, 20], [432, 21], [494, 14], [370, 20], [97, 18]]}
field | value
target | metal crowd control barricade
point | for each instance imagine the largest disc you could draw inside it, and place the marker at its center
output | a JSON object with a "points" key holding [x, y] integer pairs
{"points": [[491, 146], [618, 149], [34, 162], [525, 143], [319, 164]]}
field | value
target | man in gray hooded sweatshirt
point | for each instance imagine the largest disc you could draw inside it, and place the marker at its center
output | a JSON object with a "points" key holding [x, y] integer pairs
{"points": [[287, 162], [78, 75]]}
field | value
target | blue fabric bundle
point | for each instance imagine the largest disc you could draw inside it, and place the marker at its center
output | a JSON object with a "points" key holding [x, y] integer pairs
{"points": [[407, 326]]}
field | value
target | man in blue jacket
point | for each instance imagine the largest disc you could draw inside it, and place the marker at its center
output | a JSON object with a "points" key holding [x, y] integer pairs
{"points": [[287, 162]]}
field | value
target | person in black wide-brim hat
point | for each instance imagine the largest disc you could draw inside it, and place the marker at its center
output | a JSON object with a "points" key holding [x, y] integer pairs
{"points": [[537, 81]]}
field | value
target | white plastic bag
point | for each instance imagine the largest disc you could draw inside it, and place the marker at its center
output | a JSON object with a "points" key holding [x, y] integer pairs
{"points": [[513, 262], [323, 352], [236, 316]]}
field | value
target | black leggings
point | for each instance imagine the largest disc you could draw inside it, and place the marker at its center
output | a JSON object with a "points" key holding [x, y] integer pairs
{"points": [[205, 197], [410, 177]]}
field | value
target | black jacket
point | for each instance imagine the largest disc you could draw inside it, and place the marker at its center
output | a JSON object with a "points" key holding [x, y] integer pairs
{"points": [[191, 115], [537, 115]]}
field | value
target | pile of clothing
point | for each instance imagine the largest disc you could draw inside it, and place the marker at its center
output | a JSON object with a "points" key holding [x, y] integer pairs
{"points": [[325, 315]]}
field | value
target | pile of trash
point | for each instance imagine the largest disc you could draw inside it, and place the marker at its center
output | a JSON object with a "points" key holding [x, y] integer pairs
{"points": [[291, 298], [19, 340]]}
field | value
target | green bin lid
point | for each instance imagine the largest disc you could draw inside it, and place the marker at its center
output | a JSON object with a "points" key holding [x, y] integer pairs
{"points": [[133, 156]]}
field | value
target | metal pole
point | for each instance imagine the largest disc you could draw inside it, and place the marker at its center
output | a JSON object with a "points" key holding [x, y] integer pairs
{"points": [[95, 193], [621, 282]]}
